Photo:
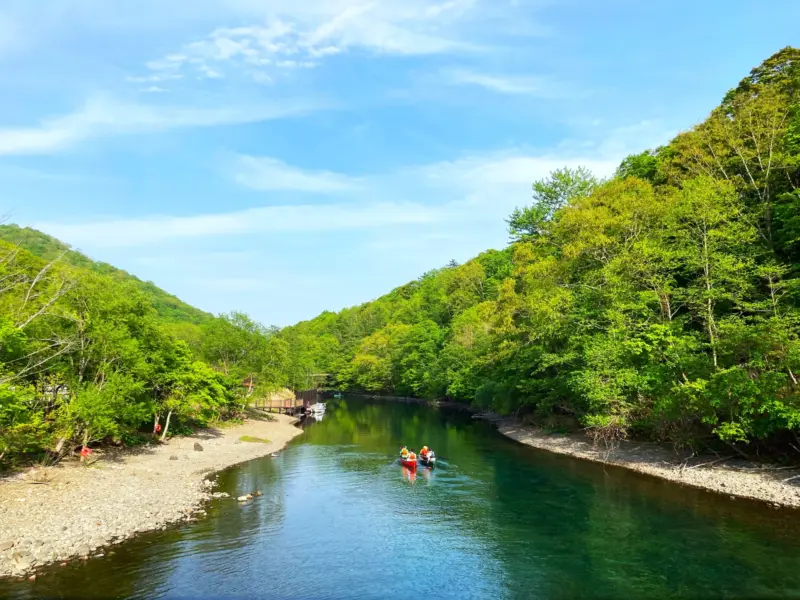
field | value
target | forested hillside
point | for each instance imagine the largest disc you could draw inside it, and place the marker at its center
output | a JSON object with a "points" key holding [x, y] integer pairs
{"points": [[662, 302], [89, 353], [170, 308]]}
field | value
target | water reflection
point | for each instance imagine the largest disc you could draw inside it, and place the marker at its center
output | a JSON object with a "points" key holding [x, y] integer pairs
{"points": [[339, 518]]}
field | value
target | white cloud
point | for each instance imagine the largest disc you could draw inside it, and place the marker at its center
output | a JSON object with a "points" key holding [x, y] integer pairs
{"points": [[468, 191], [540, 87], [155, 78], [103, 115], [149, 230], [648, 133], [508, 168], [300, 35], [265, 173]]}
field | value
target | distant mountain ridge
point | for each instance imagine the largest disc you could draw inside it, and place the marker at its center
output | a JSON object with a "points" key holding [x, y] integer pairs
{"points": [[170, 308]]}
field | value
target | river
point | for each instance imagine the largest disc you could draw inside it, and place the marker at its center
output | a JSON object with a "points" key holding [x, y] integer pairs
{"points": [[495, 519]]}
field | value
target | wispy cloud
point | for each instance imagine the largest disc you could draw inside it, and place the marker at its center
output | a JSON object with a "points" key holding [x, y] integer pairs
{"points": [[103, 115], [154, 78], [266, 173], [508, 167], [468, 190], [9, 172], [469, 172], [540, 87], [148, 230], [301, 35]]}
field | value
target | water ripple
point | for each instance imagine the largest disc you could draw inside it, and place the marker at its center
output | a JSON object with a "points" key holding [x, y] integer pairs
{"points": [[340, 518]]}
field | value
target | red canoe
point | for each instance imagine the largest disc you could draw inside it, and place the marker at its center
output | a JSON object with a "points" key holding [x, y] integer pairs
{"points": [[411, 464]]}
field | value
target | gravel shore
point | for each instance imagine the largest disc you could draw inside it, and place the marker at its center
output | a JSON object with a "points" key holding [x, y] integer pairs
{"points": [[722, 474], [55, 514]]}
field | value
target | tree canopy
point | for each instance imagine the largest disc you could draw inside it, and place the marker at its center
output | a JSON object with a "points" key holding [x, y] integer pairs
{"points": [[89, 354], [661, 303]]}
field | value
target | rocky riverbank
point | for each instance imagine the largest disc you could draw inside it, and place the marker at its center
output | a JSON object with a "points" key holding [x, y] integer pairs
{"points": [[730, 475], [55, 514]]}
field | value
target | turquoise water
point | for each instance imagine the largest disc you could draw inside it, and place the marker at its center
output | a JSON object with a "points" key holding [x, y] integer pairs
{"points": [[340, 519]]}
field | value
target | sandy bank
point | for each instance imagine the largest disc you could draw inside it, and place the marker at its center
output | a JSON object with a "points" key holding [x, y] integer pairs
{"points": [[54, 514], [722, 474]]}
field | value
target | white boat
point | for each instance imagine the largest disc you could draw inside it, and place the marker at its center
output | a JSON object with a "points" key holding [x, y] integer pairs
{"points": [[318, 408]]}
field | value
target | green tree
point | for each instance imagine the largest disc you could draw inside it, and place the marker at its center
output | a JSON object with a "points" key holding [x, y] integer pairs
{"points": [[549, 195]]}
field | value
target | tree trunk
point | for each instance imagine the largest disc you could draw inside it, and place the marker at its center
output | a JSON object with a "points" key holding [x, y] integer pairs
{"points": [[711, 332], [155, 424], [166, 426], [709, 303]]}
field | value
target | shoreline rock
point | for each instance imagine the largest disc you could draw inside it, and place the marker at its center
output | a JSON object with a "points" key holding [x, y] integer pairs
{"points": [[778, 487], [731, 476], [80, 510]]}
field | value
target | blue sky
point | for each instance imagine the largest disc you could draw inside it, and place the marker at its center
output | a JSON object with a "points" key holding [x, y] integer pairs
{"points": [[286, 157]]}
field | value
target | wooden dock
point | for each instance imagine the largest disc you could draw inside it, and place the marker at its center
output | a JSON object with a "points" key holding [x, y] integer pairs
{"points": [[289, 406], [286, 406]]}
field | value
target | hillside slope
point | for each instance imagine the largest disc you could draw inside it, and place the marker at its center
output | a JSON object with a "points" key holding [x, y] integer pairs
{"points": [[170, 308], [662, 303]]}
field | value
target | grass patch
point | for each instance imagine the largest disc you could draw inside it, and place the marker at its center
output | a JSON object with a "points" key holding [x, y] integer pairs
{"points": [[255, 440]]}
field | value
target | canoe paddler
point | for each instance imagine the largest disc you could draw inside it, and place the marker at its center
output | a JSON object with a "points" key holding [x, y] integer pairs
{"points": [[424, 452], [404, 453]]}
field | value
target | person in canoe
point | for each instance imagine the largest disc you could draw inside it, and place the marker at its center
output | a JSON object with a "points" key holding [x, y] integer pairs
{"points": [[404, 453], [412, 456], [427, 456]]}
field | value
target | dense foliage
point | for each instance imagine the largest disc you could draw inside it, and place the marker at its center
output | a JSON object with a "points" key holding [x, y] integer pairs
{"points": [[168, 307], [662, 302], [89, 354]]}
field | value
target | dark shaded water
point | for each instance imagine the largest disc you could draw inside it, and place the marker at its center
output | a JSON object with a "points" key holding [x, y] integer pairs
{"points": [[340, 519]]}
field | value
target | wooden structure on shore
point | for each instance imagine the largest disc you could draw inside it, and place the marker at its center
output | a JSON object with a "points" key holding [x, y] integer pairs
{"points": [[287, 406], [288, 403]]}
